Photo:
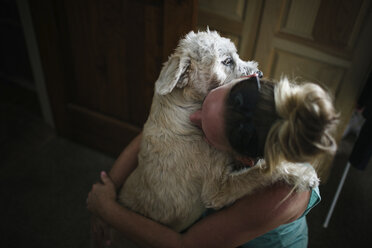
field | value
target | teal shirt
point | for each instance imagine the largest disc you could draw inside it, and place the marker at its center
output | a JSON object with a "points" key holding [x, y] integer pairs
{"points": [[291, 235]]}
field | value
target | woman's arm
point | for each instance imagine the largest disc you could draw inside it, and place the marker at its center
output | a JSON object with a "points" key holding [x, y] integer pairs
{"points": [[126, 162], [248, 218], [121, 169]]}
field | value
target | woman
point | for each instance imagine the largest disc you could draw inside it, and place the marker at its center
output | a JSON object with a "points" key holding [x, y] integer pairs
{"points": [[279, 122]]}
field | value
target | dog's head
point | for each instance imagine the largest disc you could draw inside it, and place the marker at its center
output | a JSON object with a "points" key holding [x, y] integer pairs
{"points": [[202, 61]]}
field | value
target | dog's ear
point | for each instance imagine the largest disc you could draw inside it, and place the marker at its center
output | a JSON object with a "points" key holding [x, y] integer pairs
{"points": [[174, 73]]}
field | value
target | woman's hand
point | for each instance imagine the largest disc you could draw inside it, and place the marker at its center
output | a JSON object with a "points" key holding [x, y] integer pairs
{"points": [[101, 195], [100, 232]]}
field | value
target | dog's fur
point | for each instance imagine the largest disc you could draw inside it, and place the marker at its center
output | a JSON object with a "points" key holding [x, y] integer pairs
{"points": [[179, 174]]}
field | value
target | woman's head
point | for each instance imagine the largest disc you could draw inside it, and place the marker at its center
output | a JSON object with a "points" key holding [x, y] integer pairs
{"points": [[249, 114], [270, 120], [219, 111]]}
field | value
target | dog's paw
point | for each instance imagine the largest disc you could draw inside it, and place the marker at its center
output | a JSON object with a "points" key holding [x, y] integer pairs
{"points": [[309, 179], [301, 176], [218, 202]]}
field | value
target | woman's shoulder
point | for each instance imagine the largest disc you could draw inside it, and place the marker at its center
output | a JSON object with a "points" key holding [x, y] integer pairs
{"points": [[279, 202], [252, 216]]}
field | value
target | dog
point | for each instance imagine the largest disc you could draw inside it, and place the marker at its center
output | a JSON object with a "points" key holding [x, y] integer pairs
{"points": [[179, 174]]}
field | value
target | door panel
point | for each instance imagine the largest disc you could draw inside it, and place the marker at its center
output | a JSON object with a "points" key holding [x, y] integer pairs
{"points": [[101, 60], [321, 42], [309, 69], [284, 48]]}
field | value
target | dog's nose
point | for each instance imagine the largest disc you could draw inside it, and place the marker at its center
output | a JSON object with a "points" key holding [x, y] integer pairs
{"points": [[259, 74]]}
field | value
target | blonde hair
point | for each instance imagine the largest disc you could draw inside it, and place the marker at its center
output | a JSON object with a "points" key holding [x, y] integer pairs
{"points": [[304, 130]]}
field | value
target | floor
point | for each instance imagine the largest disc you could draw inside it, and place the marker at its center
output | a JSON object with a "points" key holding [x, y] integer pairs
{"points": [[44, 181]]}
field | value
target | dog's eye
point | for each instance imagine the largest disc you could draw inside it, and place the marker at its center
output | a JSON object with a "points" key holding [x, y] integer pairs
{"points": [[228, 61]]}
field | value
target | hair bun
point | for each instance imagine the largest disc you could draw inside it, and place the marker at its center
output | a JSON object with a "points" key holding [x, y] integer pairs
{"points": [[308, 120]]}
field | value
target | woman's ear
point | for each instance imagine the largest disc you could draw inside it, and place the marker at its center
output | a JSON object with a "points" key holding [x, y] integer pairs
{"points": [[173, 73]]}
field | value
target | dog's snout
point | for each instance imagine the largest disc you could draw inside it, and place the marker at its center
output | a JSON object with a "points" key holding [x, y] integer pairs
{"points": [[248, 70]]}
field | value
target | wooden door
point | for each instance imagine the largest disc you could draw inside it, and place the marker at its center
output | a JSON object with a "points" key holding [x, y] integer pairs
{"points": [[322, 41], [101, 60]]}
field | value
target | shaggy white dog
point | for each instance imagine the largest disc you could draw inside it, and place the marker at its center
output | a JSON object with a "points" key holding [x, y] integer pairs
{"points": [[179, 174]]}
